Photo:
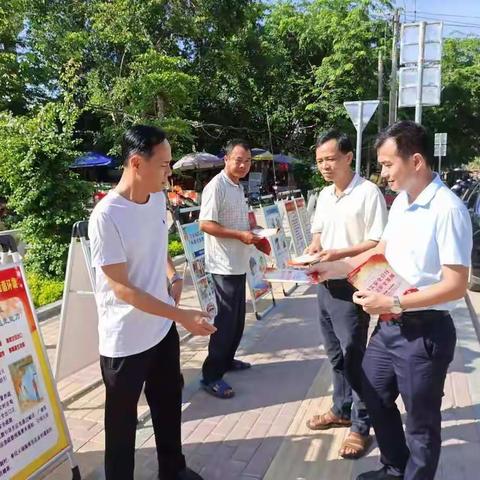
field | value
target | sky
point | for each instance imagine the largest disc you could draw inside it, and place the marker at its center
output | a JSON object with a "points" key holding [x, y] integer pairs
{"points": [[461, 17]]}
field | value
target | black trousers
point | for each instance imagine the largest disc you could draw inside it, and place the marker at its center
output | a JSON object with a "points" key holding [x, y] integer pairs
{"points": [[344, 327], [411, 360], [230, 293], [159, 370]]}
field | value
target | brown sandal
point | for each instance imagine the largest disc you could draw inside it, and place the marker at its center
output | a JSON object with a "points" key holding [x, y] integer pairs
{"points": [[326, 421], [356, 443]]}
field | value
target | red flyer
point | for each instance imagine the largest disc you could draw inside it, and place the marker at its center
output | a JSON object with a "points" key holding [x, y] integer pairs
{"points": [[376, 275]]}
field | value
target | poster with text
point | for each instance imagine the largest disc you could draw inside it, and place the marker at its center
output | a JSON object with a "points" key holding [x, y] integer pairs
{"points": [[32, 430], [194, 245], [257, 266], [295, 226], [304, 219], [273, 219]]}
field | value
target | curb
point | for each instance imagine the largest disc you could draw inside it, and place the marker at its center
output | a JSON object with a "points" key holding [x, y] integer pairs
{"points": [[49, 311], [473, 315]]}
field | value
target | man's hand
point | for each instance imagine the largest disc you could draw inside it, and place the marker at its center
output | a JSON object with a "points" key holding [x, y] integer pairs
{"points": [[176, 291], [329, 255], [196, 322], [248, 238], [322, 271], [313, 249], [373, 303]]}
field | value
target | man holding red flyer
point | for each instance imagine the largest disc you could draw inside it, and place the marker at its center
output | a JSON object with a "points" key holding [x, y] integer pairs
{"points": [[427, 243], [349, 219]]}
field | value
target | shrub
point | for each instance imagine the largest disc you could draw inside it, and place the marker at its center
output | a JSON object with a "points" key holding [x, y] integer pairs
{"points": [[44, 290], [175, 248]]}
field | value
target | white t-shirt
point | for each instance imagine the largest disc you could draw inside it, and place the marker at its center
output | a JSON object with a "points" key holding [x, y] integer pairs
{"points": [[434, 230], [223, 201], [357, 215], [123, 231]]}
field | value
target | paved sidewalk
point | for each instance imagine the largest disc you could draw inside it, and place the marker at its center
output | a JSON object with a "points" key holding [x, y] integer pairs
{"points": [[261, 434]]}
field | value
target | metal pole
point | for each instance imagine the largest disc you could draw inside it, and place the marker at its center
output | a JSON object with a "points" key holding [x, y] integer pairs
{"points": [[440, 165], [421, 56], [358, 159], [380, 91], [392, 109], [271, 150]]}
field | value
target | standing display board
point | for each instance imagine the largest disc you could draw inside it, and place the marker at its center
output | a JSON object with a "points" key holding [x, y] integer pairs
{"points": [[293, 219], [273, 219], [257, 266], [77, 345], [304, 219], [33, 432], [194, 245]]}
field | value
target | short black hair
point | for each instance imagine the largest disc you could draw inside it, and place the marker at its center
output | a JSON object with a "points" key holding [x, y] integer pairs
{"points": [[343, 141], [237, 142], [410, 138], [141, 139]]}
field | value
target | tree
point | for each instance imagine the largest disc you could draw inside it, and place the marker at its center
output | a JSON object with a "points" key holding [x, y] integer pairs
{"points": [[47, 197], [459, 112], [12, 81]]}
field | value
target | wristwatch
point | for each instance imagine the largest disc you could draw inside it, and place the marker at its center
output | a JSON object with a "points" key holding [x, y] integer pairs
{"points": [[397, 308], [176, 278]]}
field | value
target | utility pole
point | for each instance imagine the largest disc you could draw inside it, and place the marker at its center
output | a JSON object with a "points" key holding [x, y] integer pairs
{"points": [[392, 109], [380, 90]]}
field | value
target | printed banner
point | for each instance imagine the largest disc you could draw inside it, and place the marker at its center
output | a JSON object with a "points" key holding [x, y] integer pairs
{"points": [[304, 219], [295, 226], [257, 266], [194, 245], [32, 431], [273, 219]]}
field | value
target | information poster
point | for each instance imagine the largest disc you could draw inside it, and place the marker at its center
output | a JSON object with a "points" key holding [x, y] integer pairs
{"points": [[273, 219], [295, 226], [304, 219], [194, 244], [257, 266], [32, 430]]}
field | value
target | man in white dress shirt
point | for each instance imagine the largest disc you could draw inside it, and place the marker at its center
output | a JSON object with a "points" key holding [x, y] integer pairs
{"points": [[428, 242], [349, 219]]}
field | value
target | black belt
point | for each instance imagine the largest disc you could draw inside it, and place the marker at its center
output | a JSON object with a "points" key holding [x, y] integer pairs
{"points": [[416, 317], [337, 283]]}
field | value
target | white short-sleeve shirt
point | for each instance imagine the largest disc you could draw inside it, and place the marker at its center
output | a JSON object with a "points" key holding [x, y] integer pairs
{"points": [[432, 231], [357, 215], [224, 202], [122, 231]]}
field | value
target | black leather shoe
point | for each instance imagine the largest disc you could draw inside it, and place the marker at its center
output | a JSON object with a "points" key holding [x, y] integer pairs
{"points": [[188, 474], [378, 475]]}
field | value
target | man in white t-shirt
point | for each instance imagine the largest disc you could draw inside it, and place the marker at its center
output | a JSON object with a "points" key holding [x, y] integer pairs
{"points": [[139, 343], [224, 219], [349, 219], [427, 242]]}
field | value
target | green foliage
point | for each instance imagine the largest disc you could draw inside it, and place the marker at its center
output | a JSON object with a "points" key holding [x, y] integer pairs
{"points": [[12, 81], [175, 248], [47, 197], [44, 291], [307, 176], [459, 112]]}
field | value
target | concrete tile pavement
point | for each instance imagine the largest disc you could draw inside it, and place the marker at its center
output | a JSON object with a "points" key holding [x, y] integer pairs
{"points": [[261, 433]]}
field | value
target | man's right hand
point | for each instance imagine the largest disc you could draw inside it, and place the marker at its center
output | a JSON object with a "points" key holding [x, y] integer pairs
{"points": [[313, 249], [196, 322], [322, 271], [248, 238]]}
